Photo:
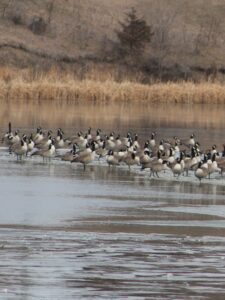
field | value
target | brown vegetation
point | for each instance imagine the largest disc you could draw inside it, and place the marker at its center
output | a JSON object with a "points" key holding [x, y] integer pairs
{"points": [[103, 86]]}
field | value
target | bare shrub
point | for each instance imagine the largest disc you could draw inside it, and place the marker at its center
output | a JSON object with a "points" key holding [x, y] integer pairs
{"points": [[38, 25], [17, 19]]}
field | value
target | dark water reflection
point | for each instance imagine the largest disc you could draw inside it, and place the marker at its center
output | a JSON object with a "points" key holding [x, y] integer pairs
{"points": [[109, 233]]}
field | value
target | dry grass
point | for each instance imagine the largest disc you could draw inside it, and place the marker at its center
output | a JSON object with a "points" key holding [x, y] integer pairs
{"points": [[55, 85]]}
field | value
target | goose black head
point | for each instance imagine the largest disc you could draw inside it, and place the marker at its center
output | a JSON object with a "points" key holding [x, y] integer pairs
{"points": [[110, 152], [214, 157], [93, 146], [205, 158], [24, 137], [74, 146], [146, 144], [153, 135], [59, 132], [182, 154], [159, 153], [200, 164], [223, 152], [147, 152], [208, 155]]}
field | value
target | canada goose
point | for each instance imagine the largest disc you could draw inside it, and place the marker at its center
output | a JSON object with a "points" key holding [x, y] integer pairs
{"points": [[46, 153], [118, 142], [102, 151], [111, 135], [152, 142], [189, 142], [126, 140], [111, 159], [69, 156], [221, 166], [177, 168], [145, 150], [7, 134], [156, 167], [189, 162], [136, 143], [98, 136], [146, 146], [169, 157], [58, 135], [89, 136], [78, 139], [99, 143], [39, 136], [161, 146], [85, 157], [30, 144], [214, 150], [212, 164], [13, 139], [43, 142], [60, 142], [20, 149], [82, 143], [110, 143], [153, 160], [201, 172], [121, 155], [176, 149], [131, 160], [145, 157]]}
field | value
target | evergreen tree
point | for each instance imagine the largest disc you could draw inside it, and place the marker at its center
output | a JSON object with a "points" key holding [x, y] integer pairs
{"points": [[135, 34]]}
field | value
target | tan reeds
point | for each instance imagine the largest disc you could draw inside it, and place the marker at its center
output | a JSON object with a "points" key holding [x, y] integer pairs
{"points": [[26, 84]]}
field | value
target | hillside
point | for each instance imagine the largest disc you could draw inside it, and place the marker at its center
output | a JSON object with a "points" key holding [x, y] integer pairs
{"points": [[187, 34]]}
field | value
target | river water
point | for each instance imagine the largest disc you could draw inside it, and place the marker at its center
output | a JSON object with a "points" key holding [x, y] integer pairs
{"points": [[107, 233]]}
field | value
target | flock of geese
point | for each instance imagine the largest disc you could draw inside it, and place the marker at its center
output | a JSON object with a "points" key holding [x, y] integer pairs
{"points": [[179, 156]]}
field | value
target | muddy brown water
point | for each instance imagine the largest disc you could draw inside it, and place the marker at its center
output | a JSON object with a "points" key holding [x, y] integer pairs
{"points": [[110, 233]]}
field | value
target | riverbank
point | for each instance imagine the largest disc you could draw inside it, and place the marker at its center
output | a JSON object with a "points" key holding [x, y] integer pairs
{"points": [[60, 85]]}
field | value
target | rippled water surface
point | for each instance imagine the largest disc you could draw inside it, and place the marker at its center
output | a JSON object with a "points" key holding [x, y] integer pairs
{"points": [[110, 233]]}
